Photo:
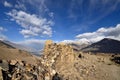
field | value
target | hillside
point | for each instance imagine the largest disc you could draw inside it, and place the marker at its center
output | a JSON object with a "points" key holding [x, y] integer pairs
{"points": [[106, 45], [72, 65], [78, 47], [21, 47], [8, 52], [58, 62]]}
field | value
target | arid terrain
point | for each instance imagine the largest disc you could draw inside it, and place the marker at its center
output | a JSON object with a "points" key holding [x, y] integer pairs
{"points": [[71, 65], [8, 52], [58, 62], [59, 39], [91, 67]]}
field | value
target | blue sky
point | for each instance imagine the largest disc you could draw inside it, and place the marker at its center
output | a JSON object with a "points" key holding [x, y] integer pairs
{"points": [[33, 21]]}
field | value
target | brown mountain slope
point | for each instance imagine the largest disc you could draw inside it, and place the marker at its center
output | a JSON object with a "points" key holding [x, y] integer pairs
{"points": [[71, 65], [106, 45], [8, 52]]}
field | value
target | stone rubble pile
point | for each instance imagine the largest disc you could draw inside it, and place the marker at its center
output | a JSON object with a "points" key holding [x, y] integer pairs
{"points": [[18, 70], [57, 53], [45, 68]]}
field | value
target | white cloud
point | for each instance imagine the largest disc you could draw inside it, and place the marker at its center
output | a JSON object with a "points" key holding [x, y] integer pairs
{"points": [[2, 29], [20, 5], [33, 43], [91, 37], [111, 32], [95, 10], [32, 24], [7, 4], [40, 5], [76, 41], [27, 33], [2, 36], [103, 7], [51, 14]]}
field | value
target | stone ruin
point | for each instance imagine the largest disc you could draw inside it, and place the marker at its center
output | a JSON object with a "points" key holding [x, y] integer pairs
{"points": [[45, 69], [64, 51], [57, 53]]}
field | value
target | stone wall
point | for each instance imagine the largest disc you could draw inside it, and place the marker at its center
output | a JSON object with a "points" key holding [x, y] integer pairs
{"points": [[56, 56], [63, 51]]}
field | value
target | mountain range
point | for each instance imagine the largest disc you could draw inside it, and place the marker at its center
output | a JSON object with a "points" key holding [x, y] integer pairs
{"points": [[9, 52], [106, 45], [21, 47]]}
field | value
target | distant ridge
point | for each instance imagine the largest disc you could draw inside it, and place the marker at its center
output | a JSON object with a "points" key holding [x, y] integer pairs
{"points": [[106, 45], [21, 47], [3, 44], [77, 47], [8, 52]]}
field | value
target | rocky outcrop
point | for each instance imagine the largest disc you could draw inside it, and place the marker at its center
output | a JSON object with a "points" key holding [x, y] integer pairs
{"points": [[46, 68], [20, 70], [61, 50], [57, 54], [61, 62]]}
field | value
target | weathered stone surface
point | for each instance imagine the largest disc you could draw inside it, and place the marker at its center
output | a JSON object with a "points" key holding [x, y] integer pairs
{"points": [[1, 76], [53, 50], [57, 54], [19, 70], [48, 42]]}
